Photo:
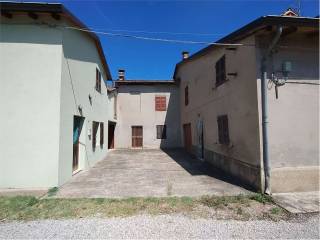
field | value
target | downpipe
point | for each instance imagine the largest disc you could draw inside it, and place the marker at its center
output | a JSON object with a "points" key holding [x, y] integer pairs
{"points": [[264, 107]]}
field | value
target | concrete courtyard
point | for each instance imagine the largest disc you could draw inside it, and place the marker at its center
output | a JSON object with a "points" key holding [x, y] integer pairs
{"points": [[148, 173]]}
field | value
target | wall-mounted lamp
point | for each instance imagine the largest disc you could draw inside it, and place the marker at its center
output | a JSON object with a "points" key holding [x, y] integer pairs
{"points": [[286, 68], [280, 81]]}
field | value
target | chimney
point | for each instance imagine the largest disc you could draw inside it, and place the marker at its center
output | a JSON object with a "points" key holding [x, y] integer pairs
{"points": [[121, 74], [185, 55], [290, 13]]}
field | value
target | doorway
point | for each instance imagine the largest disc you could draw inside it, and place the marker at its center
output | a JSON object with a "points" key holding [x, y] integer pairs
{"points": [[77, 128], [187, 137], [200, 153], [137, 136], [111, 128]]}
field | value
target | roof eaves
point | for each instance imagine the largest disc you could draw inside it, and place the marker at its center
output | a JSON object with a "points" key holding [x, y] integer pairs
{"points": [[251, 27], [57, 8]]}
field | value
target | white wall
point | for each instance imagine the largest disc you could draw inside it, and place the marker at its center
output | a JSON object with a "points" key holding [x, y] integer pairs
{"points": [[79, 62], [30, 72], [136, 107]]}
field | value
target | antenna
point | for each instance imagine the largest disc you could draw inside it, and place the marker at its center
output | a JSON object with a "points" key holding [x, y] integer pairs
{"points": [[298, 5]]}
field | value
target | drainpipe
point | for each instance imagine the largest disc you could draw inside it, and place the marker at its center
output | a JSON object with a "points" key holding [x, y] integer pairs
{"points": [[264, 103]]}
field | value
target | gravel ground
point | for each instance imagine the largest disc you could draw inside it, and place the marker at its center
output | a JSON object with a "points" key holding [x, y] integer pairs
{"points": [[165, 227]]}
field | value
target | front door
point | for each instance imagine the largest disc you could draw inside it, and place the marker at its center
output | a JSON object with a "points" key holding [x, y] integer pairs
{"points": [[77, 127], [111, 127], [137, 136], [187, 137]]}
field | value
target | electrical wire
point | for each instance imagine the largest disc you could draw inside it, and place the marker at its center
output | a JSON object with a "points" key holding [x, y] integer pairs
{"points": [[154, 39], [157, 32]]}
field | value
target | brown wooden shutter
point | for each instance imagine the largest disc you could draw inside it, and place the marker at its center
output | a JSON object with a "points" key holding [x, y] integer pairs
{"points": [[186, 96], [221, 70], [94, 134], [223, 129], [101, 134]]}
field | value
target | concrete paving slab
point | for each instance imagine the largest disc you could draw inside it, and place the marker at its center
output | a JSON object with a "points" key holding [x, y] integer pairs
{"points": [[298, 202], [147, 173]]}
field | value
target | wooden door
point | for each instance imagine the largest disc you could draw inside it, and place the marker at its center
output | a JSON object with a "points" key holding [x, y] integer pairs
{"points": [[111, 135], [187, 137], [137, 136]]}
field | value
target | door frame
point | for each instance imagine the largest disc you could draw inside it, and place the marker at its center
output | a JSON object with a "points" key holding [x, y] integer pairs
{"points": [[77, 146], [187, 137], [111, 128], [132, 136]]}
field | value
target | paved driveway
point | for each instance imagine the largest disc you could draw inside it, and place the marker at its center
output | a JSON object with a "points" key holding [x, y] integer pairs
{"points": [[142, 173]]}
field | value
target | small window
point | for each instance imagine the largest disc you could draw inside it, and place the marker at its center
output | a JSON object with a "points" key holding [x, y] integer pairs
{"points": [[186, 96], [95, 126], [223, 129], [101, 135], [160, 103], [221, 71], [161, 132], [98, 80]]}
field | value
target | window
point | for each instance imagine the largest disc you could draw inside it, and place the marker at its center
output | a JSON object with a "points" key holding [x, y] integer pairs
{"points": [[101, 135], [160, 103], [186, 96], [223, 129], [98, 80], [221, 71], [161, 132], [95, 126]]}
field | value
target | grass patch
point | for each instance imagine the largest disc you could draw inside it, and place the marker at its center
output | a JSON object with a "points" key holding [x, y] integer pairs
{"points": [[10, 206], [262, 198], [52, 191], [31, 208], [217, 202], [275, 210]]}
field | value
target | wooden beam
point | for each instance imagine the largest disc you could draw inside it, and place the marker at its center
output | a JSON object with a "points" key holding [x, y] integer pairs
{"points": [[289, 30], [56, 16], [33, 15], [6, 14]]}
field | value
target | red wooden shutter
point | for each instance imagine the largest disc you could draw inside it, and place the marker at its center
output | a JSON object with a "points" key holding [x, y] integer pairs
{"points": [[160, 103]]}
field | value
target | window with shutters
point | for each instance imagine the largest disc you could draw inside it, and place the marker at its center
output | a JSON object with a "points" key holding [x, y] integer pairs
{"points": [[101, 135], [98, 80], [223, 130], [161, 132], [160, 103], [95, 126], [221, 71], [186, 96]]}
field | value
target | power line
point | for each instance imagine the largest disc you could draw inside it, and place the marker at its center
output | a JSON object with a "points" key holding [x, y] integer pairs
{"points": [[180, 41], [158, 32], [155, 39]]}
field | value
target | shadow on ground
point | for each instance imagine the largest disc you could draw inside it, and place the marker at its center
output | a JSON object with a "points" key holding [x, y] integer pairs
{"points": [[198, 167]]}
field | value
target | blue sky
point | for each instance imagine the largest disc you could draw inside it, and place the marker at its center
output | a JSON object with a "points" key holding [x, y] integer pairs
{"points": [[156, 60]]}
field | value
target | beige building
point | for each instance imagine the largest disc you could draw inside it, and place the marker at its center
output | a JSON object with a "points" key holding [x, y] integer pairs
{"points": [[249, 104], [222, 103], [148, 114]]}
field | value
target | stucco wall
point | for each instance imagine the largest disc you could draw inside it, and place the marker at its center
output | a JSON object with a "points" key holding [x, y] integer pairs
{"points": [[136, 107], [112, 105], [30, 72], [294, 116], [237, 98], [79, 62]]}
